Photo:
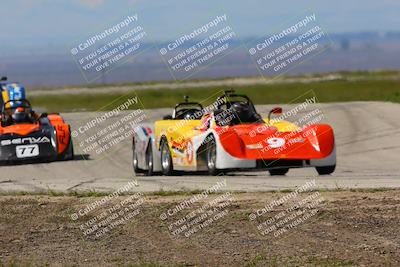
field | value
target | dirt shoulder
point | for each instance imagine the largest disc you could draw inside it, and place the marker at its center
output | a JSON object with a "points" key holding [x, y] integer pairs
{"points": [[321, 229]]}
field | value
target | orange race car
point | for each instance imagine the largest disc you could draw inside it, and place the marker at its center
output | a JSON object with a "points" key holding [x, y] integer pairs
{"points": [[26, 136]]}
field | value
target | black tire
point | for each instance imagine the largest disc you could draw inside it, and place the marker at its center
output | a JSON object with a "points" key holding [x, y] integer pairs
{"points": [[149, 160], [69, 152], [325, 170], [211, 157], [274, 172], [166, 159], [135, 163]]}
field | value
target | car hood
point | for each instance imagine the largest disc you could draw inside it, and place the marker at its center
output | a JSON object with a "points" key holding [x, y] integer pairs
{"points": [[20, 129], [262, 141]]}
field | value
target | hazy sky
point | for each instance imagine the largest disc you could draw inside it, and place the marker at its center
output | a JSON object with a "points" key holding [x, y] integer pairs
{"points": [[64, 22]]}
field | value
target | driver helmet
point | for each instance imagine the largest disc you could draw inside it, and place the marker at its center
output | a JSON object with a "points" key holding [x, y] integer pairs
{"points": [[21, 114], [189, 115], [242, 110]]}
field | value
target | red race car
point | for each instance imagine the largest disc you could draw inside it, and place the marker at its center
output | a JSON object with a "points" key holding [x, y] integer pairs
{"points": [[235, 136]]}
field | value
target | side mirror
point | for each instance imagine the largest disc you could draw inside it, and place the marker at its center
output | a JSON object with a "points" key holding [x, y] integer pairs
{"points": [[167, 117], [3, 79], [275, 111]]}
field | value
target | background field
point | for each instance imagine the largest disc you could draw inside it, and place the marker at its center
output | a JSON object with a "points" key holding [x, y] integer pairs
{"points": [[332, 87]]}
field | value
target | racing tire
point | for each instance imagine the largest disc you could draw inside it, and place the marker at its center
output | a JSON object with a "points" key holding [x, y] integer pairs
{"points": [[149, 160], [275, 172], [69, 152], [325, 170], [135, 162], [166, 159], [211, 157]]}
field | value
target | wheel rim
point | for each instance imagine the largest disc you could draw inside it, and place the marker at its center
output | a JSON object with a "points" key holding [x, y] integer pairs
{"points": [[165, 159], [150, 160], [135, 160], [212, 156]]}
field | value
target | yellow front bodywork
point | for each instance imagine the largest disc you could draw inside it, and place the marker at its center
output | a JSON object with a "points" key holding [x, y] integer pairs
{"points": [[180, 133]]}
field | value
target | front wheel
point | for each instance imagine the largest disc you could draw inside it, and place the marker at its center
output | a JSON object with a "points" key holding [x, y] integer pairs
{"points": [[149, 160], [166, 159], [325, 170], [135, 162], [275, 172], [212, 157], [68, 154]]}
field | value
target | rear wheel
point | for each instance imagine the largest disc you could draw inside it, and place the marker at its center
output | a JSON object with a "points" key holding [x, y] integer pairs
{"points": [[275, 172], [166, 159], [212, 157], [135, 162], [325, 170]]}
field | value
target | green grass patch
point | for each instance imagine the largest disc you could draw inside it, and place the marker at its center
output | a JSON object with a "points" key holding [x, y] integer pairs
{"points": [[325, 91], [328, 262], [167, 193], [94, 193]]}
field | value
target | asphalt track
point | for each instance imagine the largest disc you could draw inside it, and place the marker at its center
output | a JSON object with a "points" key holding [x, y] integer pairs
{"points": [[368, 156]]}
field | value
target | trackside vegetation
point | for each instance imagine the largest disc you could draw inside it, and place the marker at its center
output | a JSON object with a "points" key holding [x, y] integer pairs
{"points": [[356, 87]]}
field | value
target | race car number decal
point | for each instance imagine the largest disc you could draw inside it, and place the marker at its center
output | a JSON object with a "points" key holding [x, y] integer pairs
{"points": [[27, 151], [276, 142]]}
